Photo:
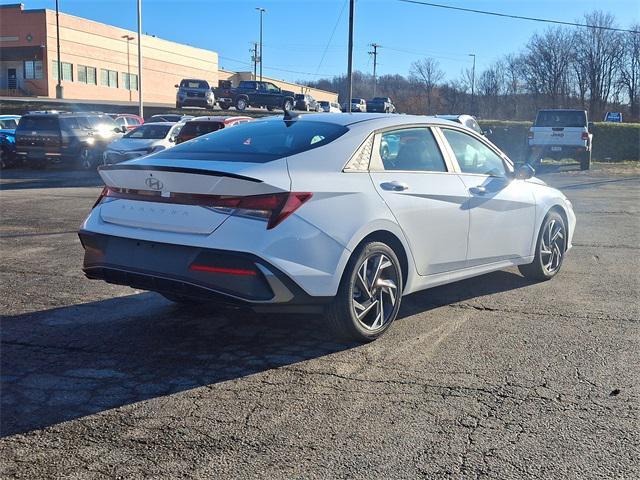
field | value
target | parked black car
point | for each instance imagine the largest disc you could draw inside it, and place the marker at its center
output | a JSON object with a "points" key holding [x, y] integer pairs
{"points": [[304, 101], [77, 138], [195, 93], [257, 94], [381, 105]]}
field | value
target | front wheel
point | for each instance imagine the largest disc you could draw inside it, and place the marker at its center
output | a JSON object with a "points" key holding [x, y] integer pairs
{"points": [[369, 295], [241, 104], [550, 249], [224, 106], [85, 159]]}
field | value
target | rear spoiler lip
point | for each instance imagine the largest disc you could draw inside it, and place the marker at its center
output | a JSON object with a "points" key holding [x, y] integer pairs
{"points": [[161, 168]]}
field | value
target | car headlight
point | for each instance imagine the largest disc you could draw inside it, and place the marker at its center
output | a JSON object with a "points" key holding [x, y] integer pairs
{"points": [[90, 141]]}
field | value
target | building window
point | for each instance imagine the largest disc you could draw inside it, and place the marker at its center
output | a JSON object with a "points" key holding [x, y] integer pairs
{"points": [[130, 81], [33, 69], [86, 74], [67, 70], [108, 78]]}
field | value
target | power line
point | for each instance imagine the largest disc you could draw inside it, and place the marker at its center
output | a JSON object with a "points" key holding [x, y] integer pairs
{"points": [[518, 17], [229, 59], [331, 36]]}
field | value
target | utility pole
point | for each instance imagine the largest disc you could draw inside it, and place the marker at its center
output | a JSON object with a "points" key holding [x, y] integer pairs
{"points": [[59, 91], [473, 83], [350, 61], [128, 38], [140, 107], [254, 57], [261, 10], [375, 47]]}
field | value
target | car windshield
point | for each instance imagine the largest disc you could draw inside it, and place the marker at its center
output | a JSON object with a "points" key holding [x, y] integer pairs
{"points": [[148, 132], [356, 100], [102, 122], [40, 122], [567, 118], [299, 96], [8, 123], [258, 142], [324, 103], [194, 84]]}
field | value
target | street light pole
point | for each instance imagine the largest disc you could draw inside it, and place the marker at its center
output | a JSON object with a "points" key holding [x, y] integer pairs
{"points": [[128, 38], [350, 60], [59, 90], [261, 10], [140, 107], [473, 83]]}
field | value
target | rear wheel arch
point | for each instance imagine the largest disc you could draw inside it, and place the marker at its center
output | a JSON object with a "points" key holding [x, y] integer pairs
{"points": [[395, 244]]}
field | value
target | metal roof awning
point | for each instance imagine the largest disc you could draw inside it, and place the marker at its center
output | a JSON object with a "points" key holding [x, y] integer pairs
{"points": [[8, 54]]}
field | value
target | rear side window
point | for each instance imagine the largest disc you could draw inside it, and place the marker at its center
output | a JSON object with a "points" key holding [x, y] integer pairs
{"points": [[550, 118], [38, 123], [8, 123], [258, 142], [411, 149]]}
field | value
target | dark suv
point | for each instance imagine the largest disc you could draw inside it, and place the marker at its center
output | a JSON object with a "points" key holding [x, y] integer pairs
{"points": [[303, 101], [64, 137], [195, 93]]}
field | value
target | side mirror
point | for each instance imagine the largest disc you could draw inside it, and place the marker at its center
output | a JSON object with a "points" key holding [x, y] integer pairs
{"points": [[488, 131], [524, 172], [177, 86], [590, 125], [123, 129]]}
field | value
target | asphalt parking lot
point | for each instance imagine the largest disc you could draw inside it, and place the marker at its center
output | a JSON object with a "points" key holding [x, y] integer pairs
{"points": [[493, 377]]}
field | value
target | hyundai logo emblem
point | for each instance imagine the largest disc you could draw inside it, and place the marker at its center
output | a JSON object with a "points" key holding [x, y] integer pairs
{"points": [[154, 183]]}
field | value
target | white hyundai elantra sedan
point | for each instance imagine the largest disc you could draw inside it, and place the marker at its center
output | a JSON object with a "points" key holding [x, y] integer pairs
{"points": [[324, 213]]}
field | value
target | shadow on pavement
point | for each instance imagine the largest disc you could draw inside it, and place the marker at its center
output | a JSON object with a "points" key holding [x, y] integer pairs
{"points": [[57, 177], [68, 362]]}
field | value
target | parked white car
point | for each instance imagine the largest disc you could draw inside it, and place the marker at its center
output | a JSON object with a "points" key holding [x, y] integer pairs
{"points": [[145, 139], [305, 214], [330, 107]]}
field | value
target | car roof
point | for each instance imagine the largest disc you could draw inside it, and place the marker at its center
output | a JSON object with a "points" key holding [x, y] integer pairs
{"points": [[6, 117], [374, 120], [218, 118], [158, 123]]}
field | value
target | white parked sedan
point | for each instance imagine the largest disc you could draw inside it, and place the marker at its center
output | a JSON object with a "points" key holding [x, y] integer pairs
{"points": [[145, 139], [313, 214]]}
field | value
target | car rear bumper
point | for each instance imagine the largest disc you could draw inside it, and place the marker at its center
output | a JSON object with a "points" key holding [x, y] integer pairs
{"points": [[221, 276], [197, 101], [558, 151]]}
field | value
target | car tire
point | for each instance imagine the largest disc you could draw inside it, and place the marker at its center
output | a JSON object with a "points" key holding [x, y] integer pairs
{"points": [[4, 157], [224, 106], [354, 313], [270, 109], [551, 247], [85, 159], [287, 105], [585, 161], [241, 104]]}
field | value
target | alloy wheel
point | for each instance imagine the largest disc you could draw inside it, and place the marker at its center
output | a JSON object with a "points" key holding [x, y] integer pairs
{"points": [[552, 246], [86, 161], [375, 292]]}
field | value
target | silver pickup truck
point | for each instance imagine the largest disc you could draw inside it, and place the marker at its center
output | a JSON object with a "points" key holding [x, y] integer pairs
{"points": [[560, 134]]}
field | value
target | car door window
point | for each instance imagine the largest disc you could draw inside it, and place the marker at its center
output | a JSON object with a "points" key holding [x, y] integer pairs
{"points": [[411, 149], [474, 156]]}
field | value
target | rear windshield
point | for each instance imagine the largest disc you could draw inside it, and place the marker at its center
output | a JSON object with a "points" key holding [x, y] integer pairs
{"points": [[38, 123], [194, 84], [561, 118], [148, 132], [195, 129], [258, 142]]}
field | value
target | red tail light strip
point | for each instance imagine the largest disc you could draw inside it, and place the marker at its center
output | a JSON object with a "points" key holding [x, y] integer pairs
{"points": [[229, 271], [277, 206]]}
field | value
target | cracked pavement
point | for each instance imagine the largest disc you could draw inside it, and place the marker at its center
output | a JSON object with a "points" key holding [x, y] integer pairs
{"points": [[492, 377]]}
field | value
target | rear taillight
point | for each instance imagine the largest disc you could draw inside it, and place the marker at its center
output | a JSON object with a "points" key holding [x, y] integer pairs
{"points": [[273, 207], [530, 135], [585, 135]]}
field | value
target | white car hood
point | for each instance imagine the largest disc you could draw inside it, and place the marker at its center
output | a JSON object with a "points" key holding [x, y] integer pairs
{"points": [[129, 144]]}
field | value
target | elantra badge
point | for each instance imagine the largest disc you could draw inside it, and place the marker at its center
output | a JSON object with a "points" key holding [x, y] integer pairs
{"points": [[154, 183]]}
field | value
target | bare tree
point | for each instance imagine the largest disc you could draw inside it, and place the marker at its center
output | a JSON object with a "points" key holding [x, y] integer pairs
{"points": [[426, 73], [490, 87], [546, 64], [630, 69], [599, 52]]}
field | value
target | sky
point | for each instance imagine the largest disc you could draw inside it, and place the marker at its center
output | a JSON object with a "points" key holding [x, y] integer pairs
{"points": [[297, 34]]}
